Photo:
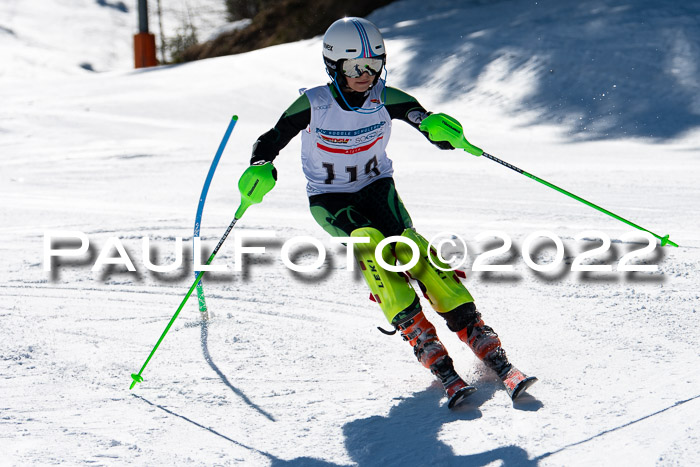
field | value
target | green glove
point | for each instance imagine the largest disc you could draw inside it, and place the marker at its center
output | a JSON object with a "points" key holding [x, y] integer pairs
{"points": [[256, 182], [441, 127]]}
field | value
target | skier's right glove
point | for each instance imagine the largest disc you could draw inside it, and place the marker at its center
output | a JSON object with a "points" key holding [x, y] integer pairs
{"points": [[441, 127], [257, 181]]}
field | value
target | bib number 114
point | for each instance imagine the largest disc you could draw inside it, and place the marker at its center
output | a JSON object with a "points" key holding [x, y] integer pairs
{"points": [[371, 170]]}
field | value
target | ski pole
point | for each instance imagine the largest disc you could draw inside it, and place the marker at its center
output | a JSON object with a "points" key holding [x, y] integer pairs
{"points": [[202, 200], [254, 184], [441, 127]]}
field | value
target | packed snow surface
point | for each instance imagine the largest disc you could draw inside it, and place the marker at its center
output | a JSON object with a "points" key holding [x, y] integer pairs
{"points": [[600, 98]]}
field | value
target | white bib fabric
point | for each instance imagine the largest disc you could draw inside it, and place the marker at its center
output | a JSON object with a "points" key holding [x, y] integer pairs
{"points": [[344, 151]]}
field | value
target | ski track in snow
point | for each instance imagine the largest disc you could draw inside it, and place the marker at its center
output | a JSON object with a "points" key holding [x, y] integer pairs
{"points": [[289, 369]]}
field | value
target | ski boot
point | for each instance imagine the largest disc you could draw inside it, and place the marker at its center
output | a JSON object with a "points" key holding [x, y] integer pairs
{"points": [[430, 352], [516, 382], [455, 387], [401, 306], [486, 345]]}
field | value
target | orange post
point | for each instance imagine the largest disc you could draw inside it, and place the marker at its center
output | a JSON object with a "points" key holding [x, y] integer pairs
{"points": [[144, 50]]}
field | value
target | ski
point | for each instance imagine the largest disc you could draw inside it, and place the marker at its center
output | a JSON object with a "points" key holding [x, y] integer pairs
{"points": [[457, 391], [459, 396], [516, 382]]}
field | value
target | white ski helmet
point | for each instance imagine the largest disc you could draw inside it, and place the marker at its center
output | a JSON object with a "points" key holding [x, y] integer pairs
{"points": [[351, 38]]}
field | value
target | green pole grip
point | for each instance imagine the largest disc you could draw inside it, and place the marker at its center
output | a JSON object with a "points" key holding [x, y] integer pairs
{"points": [[442, 127], [254, 184]]}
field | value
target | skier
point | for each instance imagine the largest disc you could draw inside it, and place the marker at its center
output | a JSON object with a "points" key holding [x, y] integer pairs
{"points": [[345, 127]]}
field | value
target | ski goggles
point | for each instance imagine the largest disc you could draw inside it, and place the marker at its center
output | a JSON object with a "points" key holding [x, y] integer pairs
{"points": [[355, 67]]}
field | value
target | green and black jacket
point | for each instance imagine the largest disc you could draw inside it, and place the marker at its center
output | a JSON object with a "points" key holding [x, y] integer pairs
{"points": [[297, 117]]}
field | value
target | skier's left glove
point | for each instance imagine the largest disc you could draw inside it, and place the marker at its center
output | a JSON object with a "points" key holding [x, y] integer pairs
{"points": [[444, 145], [441, 127]]}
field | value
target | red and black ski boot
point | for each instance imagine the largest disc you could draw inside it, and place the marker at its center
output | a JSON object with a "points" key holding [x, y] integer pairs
{"points": [[480, 338], [470, 328], [421, 334], [513, 379], [516, 382], [455, 387]]}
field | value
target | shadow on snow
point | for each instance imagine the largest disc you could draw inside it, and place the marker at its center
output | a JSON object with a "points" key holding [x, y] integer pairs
{"points": [[204, 338], [408, 435], [604, 69]]}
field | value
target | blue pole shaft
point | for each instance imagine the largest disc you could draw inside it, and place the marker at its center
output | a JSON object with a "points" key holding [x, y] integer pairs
{"points": [[202, 200]]}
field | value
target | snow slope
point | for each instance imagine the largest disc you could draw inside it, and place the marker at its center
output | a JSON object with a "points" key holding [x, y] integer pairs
{"points": [[289, 369]]}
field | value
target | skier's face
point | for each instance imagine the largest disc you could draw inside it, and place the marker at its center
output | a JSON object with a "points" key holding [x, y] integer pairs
{"points": [[361, 83]]}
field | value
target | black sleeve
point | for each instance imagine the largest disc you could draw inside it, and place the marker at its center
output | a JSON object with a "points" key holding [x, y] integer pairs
{"points": [[295, 119], [403, 106]]}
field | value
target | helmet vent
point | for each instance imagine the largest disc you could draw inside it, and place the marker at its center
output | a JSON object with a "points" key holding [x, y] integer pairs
{"points": [[351, 50]]}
